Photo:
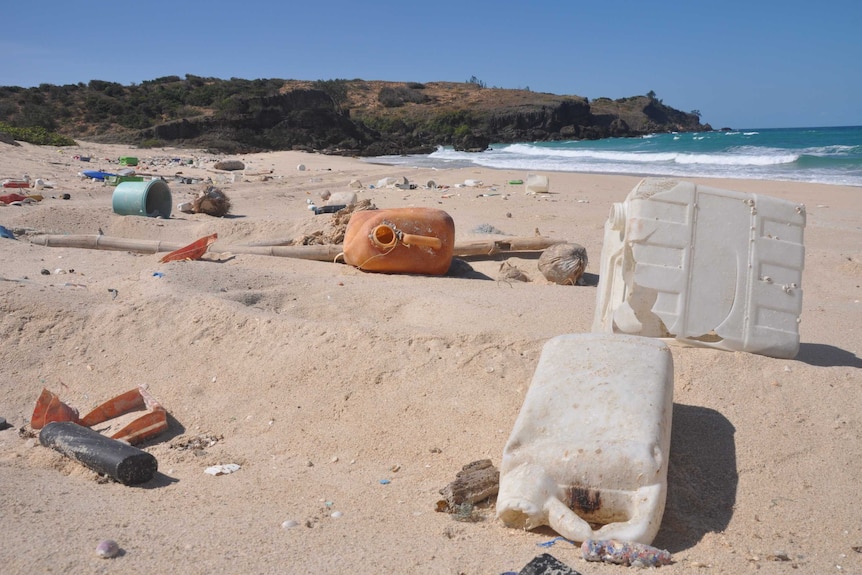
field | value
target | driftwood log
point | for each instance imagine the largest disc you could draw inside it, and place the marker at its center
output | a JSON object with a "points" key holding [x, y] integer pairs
{"points": [[475, 482], [326, 253]]}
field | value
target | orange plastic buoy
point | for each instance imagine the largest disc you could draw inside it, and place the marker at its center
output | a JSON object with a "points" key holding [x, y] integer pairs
{"points": [[400, 240]]}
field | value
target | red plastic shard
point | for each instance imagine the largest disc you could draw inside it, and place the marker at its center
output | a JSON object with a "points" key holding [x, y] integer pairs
{"points": [[148, 425], [49, 408], [16, 184], [9, 198], [193, 251]]}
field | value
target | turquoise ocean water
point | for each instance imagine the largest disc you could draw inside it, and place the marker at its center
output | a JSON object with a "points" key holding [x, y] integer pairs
{"points": [[823, 155]]}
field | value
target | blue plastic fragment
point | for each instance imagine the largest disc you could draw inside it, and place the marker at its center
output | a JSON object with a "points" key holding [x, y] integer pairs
{"points": [[5, 233], [385, 482], [553, 541], [158, 275]]}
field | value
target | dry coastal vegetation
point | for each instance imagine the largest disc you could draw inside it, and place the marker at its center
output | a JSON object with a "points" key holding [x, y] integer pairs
{"points": [[347, 117]]}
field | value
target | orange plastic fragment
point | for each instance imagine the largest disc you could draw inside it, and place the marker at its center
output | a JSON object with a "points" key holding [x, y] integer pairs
{"points": [[49, 408], [124, 403], [146, 426], [193, 251]]}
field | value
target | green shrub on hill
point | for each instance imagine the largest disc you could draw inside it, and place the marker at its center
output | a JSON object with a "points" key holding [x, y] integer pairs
{"points": [[36, 135], [375, 116]]}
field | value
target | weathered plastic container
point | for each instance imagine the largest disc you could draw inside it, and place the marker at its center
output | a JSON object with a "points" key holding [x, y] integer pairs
{"points": [[128, 161], [706, 266], [536, 184], [589, 449], [341, 199], [400, 240], [152, 198]]}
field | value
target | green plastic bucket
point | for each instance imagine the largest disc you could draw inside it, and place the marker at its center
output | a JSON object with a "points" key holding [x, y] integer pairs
{"points": [[151, 199]]}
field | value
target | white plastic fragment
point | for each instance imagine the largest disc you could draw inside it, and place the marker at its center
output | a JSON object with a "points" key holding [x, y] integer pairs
{"points": [[589, 449], [387, 182], [224, 469], [706, 266], [341, 199], [536, 184]]}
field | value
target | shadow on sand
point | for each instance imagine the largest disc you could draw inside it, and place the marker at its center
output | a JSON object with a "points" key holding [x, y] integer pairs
{"points": [[822, 355], [702, 477]]}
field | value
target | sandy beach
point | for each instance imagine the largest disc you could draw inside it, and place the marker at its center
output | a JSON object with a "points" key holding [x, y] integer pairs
{"points": [[349, 399]]}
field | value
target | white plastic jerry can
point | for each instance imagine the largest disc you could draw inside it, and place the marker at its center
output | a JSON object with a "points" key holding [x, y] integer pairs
{"points": [[706, 266], [589, 449]]}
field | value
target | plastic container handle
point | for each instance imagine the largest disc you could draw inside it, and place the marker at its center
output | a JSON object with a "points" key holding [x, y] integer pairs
{"points": [[386, 237]]}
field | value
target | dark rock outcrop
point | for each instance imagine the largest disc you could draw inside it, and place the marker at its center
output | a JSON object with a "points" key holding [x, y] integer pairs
{"points": [[472, 143], [397, 119], [300, 119], [354, 117]]}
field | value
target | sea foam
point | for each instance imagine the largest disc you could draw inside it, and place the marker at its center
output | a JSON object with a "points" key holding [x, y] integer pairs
{"points": [[824, 155]]}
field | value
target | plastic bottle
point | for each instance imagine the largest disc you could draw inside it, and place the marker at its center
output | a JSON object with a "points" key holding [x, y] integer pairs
{"points": [[400, 240], [590, 445], [706, 266]]}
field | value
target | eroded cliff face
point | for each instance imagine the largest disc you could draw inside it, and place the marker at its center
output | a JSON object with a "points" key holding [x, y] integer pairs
{"points": [[548, 121], [378, 118], [354, 117], [302, 119]]}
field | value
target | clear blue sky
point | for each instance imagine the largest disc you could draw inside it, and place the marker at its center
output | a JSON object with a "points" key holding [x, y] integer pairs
{"points": [[751, 64]]}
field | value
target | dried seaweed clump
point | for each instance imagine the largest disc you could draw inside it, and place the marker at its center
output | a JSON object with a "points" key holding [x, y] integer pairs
{"points": [[335, 233], [211, 201]]}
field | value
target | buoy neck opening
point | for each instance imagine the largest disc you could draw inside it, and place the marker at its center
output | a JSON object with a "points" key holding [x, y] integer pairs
{"points": [[384, 236]]}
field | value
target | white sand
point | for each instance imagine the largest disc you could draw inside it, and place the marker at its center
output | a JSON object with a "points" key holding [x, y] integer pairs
{"points": [[321, 381]]}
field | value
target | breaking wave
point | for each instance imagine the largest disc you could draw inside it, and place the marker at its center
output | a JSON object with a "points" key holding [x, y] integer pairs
{"points": [[823, 155]]}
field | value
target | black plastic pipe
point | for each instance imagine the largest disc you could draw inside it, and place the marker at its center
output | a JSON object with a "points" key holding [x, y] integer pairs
{"points": [[128, 465]]}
